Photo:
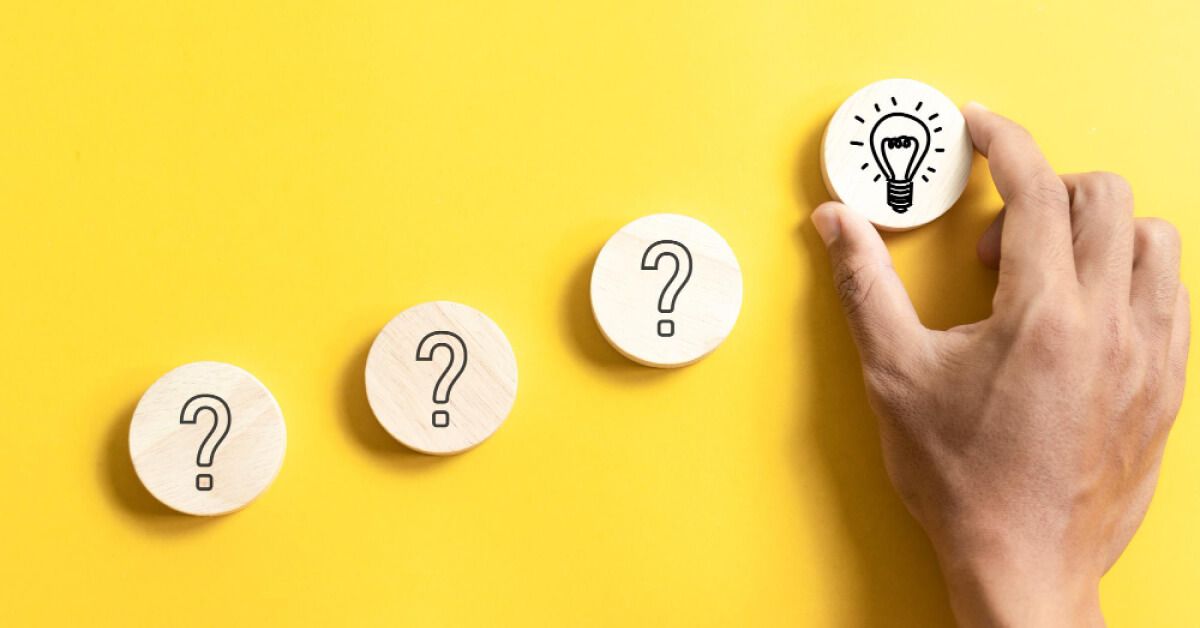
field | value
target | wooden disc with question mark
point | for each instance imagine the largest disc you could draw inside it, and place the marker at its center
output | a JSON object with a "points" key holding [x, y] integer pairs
{"points": [[666, 290], [441, 377], [207, 438]]}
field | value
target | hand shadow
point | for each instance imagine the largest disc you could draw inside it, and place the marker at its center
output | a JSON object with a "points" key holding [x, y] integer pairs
{"points": [[125, 490], [901, 581]]}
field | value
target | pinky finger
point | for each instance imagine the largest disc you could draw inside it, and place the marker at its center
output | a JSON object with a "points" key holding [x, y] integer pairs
{"points": [[1155, 285], [1177, 353]]}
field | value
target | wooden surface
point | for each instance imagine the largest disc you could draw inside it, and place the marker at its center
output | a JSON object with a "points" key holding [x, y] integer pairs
{"points": [[441, 377], [207, 438], [666, 290], [899, 152]]}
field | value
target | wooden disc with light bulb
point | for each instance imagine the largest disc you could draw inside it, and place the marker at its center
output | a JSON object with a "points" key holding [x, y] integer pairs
{"points": [[898, 152]]}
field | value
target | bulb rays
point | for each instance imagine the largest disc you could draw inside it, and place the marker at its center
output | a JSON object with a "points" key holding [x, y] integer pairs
{"points": [[899, 143]]}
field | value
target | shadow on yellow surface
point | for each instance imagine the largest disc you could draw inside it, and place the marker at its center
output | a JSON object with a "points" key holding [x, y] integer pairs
{"points": [[891, 557], [360, 422], [586, 339], [126, 493], [257, 185]]}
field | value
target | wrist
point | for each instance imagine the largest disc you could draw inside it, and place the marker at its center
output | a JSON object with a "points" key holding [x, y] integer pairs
{"points": [[1001, 581]]}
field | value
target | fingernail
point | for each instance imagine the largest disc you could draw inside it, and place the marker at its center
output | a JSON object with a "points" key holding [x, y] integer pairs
{"points": [[828, 223], [976, 105]]}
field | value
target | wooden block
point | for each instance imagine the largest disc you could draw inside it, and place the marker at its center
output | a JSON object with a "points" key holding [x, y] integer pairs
{"points": [[897, 151], [666, 290], [207, 438], [441, 377]]}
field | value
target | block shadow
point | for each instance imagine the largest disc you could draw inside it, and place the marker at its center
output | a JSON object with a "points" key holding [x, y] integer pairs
{"points": [[586, 340], [119, 482], [359, 422]]}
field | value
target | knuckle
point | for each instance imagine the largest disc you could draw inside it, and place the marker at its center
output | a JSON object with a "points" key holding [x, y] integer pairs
{"points": [[1044, 190], [1172, 401], [1052, 331], [854, 280], [1161, 392], [1105, 187], [1158, 235]]}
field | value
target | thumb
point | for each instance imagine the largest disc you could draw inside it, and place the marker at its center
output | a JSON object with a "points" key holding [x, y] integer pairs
{"points": [[881, 316]]}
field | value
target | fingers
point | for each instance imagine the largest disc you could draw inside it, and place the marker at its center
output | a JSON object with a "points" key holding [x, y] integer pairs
{"points": [[1102, 231], [881, 316], [1036, 243], [1177, 353], [1155, 284], [1160, 309], [988, 248]]}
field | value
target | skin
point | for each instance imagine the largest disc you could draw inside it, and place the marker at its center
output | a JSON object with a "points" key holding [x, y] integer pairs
{"points": [[1027, 444]]}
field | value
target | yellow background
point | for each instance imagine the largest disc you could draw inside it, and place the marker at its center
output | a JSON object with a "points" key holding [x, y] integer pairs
{"points": [[267, 185]]}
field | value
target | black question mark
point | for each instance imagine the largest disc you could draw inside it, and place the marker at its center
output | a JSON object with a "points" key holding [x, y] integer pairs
{"points": [[453, 343], [222, 421], [670, 292]]}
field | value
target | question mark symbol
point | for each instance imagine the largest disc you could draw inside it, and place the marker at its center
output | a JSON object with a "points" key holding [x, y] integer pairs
{"points": [[457, 364], [670, 292], [222, 419]]}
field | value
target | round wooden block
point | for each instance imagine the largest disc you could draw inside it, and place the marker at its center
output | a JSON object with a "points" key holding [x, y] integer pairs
{"points": [[441, 377], [666, 290], [207, 438], [897, 151]]}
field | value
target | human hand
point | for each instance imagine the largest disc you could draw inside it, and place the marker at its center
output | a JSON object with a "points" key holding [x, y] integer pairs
{"points": [[1028, 444]]}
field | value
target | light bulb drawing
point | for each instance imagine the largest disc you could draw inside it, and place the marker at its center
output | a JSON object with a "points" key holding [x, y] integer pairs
{"points": [[899, 142]]}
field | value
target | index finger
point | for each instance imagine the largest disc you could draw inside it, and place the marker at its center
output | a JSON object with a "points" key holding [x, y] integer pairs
{"points": [[1036, 235]]}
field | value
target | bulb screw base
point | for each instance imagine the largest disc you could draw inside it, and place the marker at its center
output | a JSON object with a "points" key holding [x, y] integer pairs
{"points": [[899, 195]]}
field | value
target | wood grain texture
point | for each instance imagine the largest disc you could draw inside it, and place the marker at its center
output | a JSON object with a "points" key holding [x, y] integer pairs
{"points": [[414, 358], [864, 168], [653, 255], [222, 410]]}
